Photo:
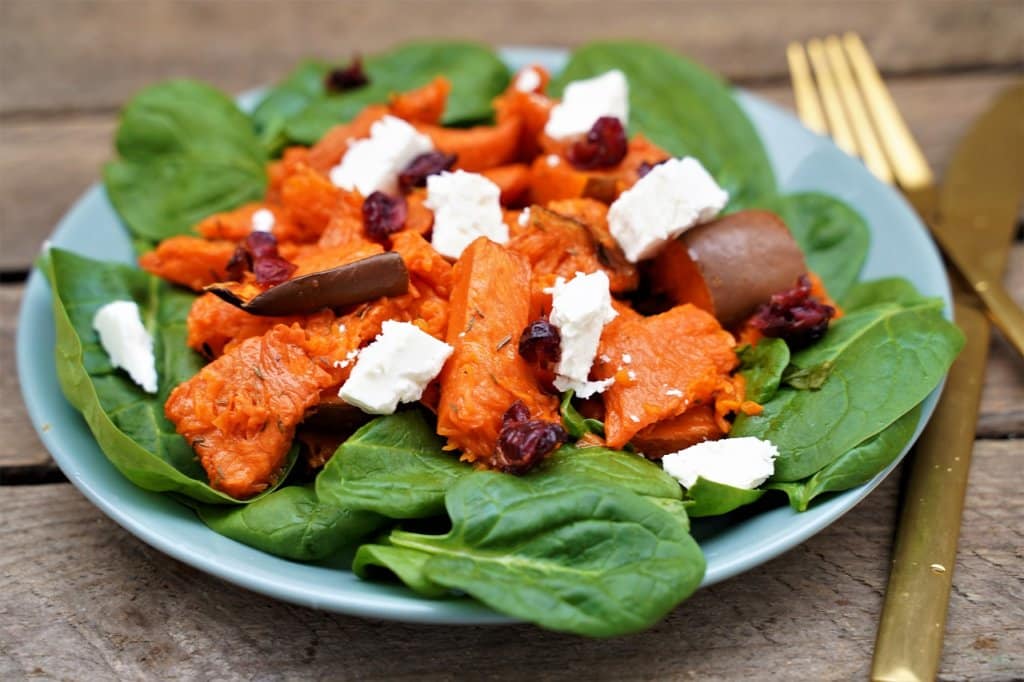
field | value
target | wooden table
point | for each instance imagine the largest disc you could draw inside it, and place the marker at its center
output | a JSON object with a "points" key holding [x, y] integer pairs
{"points": [[82, 599]]}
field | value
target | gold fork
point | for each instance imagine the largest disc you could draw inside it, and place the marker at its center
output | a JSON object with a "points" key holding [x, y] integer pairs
{"points": [[858, 111]]}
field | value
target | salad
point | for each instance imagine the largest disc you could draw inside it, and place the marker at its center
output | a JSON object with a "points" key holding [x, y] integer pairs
{"points": [[488, 334]]}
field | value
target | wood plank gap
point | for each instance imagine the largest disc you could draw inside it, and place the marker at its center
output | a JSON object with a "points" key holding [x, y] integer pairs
{"points": [[39, 474]]}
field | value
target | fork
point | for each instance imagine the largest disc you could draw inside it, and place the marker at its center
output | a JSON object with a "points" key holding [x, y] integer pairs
{"points": [[852, 96]]}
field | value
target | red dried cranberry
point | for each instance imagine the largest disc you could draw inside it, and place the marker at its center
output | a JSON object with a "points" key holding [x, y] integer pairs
{"points": [[524, 442], [239, 263], [261, 244], [431, 163], [271, 270], [794, 315], [604, 146], [383, 214], [540, 342], [347, 78], [646, 167]]}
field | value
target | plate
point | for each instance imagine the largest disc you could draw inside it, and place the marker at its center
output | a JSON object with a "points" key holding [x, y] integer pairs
{"points": [[802, 161]]}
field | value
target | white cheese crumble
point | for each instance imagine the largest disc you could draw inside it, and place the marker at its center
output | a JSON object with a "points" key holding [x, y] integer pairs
{"points": [[626, 358], [585, 101], [580, 308], [262, 220], [127, 342], [528, 80], [465, 206], [524, 217], [672, 198], [373, 164], [395, 368], [674, 392], [552, 160], [740, 462]]}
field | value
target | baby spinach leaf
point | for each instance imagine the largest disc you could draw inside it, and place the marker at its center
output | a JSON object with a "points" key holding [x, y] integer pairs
{"points": [[408, 565], [576, 425], [885, 359], [128, 423], [762, 367], [394, 466], [300, 109], [807, 378], [885, 290], [710, 498], [563, 552], [685, 109], [613, 467], [676, 508], [833, 237], [292, 523], [186, 152], [856, 467]]}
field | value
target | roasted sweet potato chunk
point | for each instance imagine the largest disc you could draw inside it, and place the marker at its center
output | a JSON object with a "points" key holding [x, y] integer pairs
{"points": [[189, 261]]}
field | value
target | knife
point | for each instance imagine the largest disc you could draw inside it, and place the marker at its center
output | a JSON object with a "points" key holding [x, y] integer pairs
{"points": [[973, 218]]}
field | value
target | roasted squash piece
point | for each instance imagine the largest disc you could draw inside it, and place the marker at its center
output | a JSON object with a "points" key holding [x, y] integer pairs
{"points": [[695, 425], [422, 105], [514, 181], [189, 261], [237, 224], [478, 148], [327, 152], [313, 202], [214, 324], [485, 374]]}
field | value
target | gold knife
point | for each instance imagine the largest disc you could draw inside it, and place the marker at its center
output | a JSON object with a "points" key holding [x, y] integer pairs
{"points": [[973, 218]]}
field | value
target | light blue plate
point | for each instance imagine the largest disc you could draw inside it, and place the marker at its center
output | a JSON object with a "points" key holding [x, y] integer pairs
{"points": [[802, 161]]}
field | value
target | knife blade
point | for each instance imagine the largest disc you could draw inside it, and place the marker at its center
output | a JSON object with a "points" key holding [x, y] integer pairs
{"points": [[975, 214]]}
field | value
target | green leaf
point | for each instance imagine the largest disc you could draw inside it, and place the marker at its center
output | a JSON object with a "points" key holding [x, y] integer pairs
{"points": [[393, 466], [565, 552], [186, 152], [856, 467], [576, 425], [612, 467], [886, 290], [128, 423], [833, 237], [685, 109], [300, 110], [710, 498], [762, 367], [291, 523], [807, 378], [408, 565], [885, 360]]}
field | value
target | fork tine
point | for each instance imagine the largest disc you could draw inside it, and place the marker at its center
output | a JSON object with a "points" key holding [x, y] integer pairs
{"points": [[807, 105], [870, 149], [841, 133], [908, 162]]}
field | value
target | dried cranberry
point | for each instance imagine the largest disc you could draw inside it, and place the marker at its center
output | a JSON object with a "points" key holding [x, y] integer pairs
{"points": [[605, 145], [540, 342], [271, 270], [794, 315], [347, 78], [261, 244], [431, 163], [383, 214], [524, 442], [646, 167], [239, 263]]}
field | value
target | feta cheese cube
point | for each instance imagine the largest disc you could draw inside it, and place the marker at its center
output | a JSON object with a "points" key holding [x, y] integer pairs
{"points": [[466, 206], [528, 80], [262, 220], [373, 164], [127, 342], [580, 308], [673, 197], [585, 101], [740, 462], [394, 369]]}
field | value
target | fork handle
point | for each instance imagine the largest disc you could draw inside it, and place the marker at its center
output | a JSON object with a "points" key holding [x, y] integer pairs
{"points": [[1004, 312]]}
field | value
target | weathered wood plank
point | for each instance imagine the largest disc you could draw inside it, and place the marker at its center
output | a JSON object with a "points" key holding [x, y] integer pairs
{"points": [[120, 609], [46, 163], [1002, 397], [19, 445], [99, 52]]}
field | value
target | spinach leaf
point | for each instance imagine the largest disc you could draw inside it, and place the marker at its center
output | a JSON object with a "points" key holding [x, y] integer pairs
{"points": [[612, 467], [762, 367], [186, 152], [856, 467], [807, 378], [564, 552], [300, 110], [885, 290], [833, 237], [576, 425], [394, 466], [676, 508], [885, 359], [408, 565], [128, 423], [685, 109], [291, 523], [710, 498]]}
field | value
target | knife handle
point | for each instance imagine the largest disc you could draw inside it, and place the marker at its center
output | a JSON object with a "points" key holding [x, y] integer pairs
{"points": [[1004, 311], [909, 642]]}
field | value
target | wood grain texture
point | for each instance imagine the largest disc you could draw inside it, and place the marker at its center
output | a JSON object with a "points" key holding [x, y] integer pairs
{"points": [[46, 163], [120, 609], [98, 52], [19, 445]]}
